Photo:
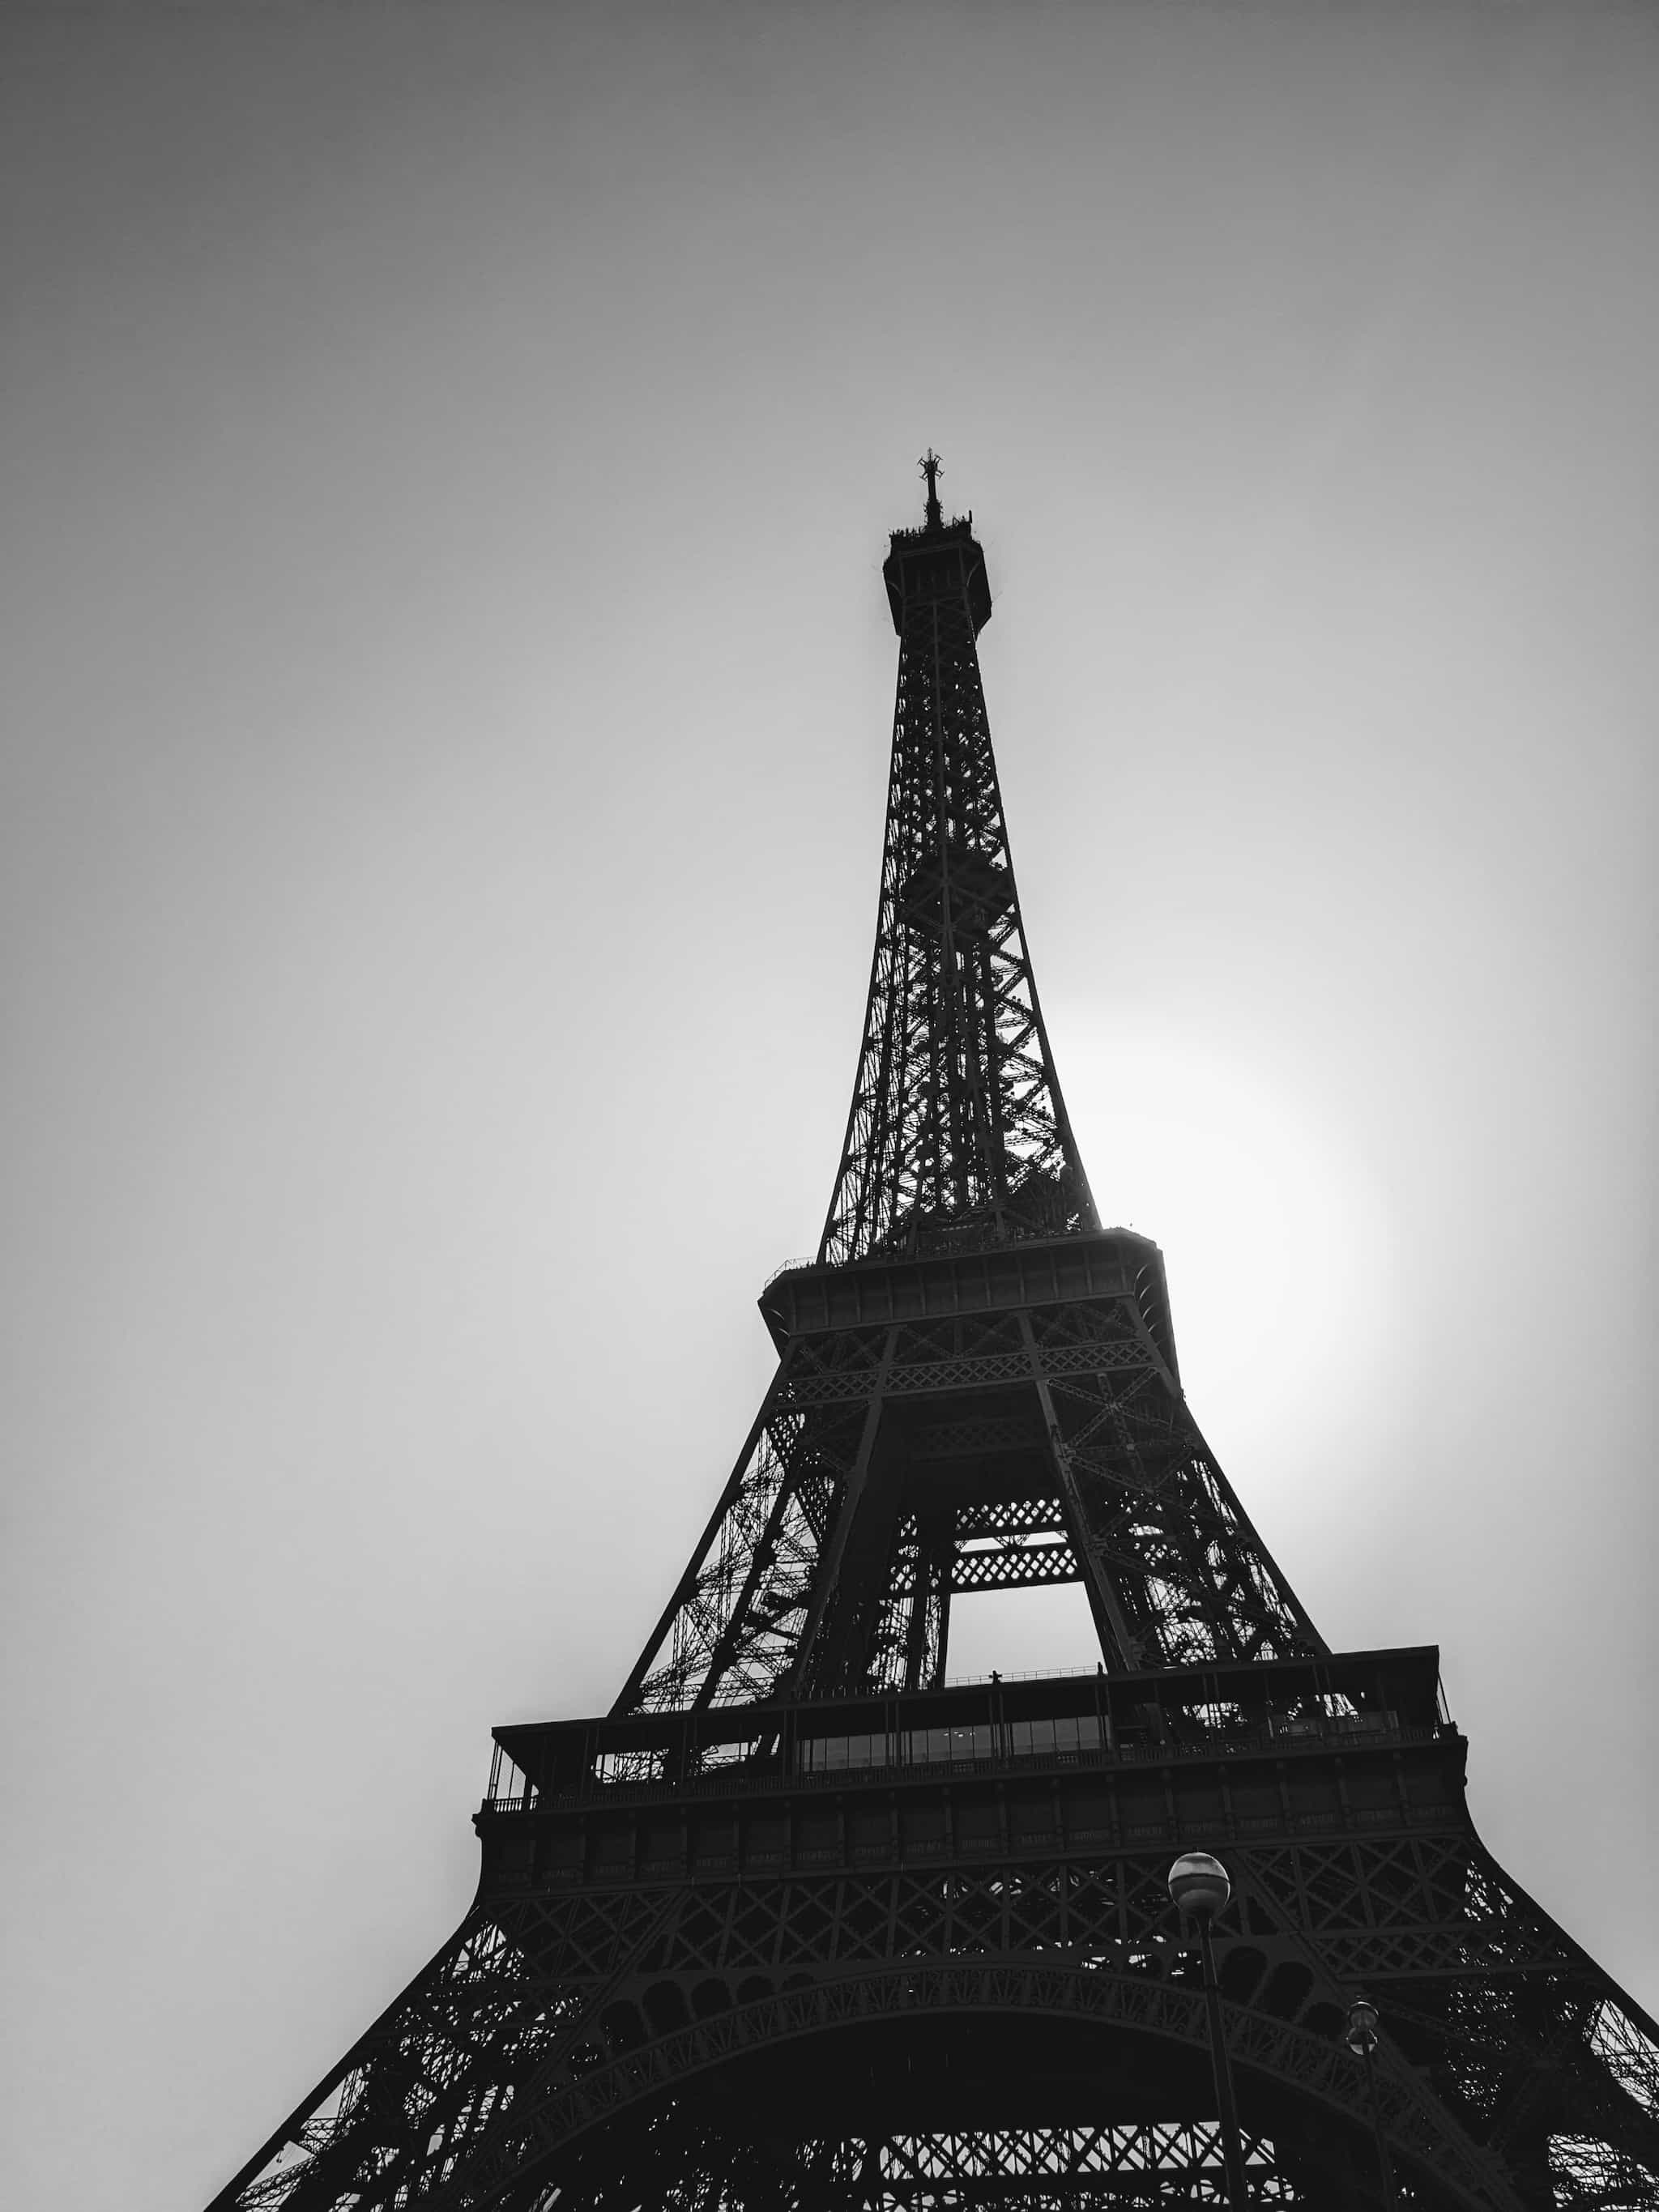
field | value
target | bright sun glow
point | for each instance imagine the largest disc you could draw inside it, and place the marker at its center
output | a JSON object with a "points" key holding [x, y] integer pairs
{"points": [[1273, 1235], [1279, 1263]]}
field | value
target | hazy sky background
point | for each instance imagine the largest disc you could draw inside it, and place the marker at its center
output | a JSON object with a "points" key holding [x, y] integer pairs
{"points": [[444, 467]]}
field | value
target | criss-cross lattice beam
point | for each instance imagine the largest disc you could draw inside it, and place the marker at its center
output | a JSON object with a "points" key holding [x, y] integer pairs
{"points": [[686, 2160], [1503, 2041], [820, 1568], [731, 1632], [957, 1121]]}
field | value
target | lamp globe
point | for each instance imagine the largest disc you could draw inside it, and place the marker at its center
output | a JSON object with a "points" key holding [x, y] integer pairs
{"points": [[1198, 1884]]}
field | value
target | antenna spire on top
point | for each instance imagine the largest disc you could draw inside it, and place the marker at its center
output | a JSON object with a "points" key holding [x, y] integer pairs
{"points": [[932, 469]]}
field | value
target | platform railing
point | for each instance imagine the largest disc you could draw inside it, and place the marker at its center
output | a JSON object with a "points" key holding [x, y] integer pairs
{"points": [[517, 1794]]}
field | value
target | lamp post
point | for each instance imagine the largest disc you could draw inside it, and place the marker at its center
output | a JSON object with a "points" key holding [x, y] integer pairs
{"points": [[1363, 2037], [1200, 1887]]}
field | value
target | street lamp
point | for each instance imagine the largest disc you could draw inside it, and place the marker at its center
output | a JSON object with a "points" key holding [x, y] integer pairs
{"points": [[1200, 1887], [1363, 2037]]}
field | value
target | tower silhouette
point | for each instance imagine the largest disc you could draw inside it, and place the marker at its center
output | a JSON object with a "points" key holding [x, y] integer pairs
{"points": [[801, 1924]]}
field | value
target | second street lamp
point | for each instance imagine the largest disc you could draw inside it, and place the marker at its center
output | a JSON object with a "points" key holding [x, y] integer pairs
{"points": [[1363, 2037], [1200, 1887]]}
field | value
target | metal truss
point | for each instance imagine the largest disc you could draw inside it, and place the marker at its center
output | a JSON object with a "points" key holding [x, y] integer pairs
{"points": [[675, 1995], [957, 1124], [845, 1529], [683, 2160], [1514, 2074], [732, 1630], [1151, 2163]]}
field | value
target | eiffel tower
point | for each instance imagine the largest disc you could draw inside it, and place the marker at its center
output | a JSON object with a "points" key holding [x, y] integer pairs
{"points": [[801, 1924]]}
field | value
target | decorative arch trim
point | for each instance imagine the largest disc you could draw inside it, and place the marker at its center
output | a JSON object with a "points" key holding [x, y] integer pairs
{"points": [[1292, 2058]]}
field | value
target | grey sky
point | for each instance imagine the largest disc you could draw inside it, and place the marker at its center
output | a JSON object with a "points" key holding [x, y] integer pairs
{"points": [[444, 462]]}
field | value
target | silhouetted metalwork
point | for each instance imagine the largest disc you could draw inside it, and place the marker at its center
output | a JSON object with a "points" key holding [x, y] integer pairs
{"points": [[1200, 1888], [801, 1924], [957, 1130]]}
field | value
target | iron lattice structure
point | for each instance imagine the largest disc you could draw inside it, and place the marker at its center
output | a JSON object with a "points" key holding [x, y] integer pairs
{"points": [[957, 1129], [802, 1925]]}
